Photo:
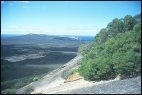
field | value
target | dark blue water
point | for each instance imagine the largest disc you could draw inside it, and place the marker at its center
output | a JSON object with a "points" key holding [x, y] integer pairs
{"points": [[86, 38], [9, 35]]}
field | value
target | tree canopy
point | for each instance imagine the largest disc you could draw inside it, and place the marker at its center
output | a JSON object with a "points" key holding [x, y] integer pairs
{"points": [[115, 50]]}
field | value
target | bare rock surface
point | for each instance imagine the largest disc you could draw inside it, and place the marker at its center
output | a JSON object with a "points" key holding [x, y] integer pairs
{"points": [[127, 86]]}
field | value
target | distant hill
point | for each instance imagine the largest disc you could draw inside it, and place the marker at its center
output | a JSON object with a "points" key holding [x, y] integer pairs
{"points": [[46, 40], [65, 38]]}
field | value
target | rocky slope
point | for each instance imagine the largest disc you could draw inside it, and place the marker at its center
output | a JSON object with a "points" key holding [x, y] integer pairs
{"points": [[53, 83], [127, 86]]}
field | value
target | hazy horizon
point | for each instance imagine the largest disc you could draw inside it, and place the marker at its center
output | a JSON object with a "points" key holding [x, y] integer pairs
{"points": [[48, 34], [62, 17]]}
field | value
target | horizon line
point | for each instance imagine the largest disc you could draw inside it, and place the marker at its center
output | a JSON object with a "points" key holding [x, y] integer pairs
{"points": [[48, 34]]}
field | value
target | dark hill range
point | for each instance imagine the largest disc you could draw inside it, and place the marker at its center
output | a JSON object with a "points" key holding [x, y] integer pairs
{"points": [[45, 40]]}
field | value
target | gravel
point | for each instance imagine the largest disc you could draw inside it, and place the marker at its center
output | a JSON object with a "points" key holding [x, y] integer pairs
{"points": [[127, 86]]}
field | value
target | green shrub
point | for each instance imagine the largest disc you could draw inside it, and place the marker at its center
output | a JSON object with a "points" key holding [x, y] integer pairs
{"points": [[35, 78], [119, 54], [99, 68]]}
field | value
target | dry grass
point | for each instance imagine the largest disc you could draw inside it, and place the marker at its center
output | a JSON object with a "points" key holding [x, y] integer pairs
{"points": [[73, 77]]}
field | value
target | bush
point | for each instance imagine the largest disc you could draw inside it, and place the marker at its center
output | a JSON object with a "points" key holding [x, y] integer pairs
{"points": [[119, 54], [99, 68], [35, 78]]}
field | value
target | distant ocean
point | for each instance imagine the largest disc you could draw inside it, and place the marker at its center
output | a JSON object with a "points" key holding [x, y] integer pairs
{"points": [[9, 35], [86, 38]]}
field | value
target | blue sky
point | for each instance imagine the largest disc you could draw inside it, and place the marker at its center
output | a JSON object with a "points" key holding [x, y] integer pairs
{"points": [[62, 17]]}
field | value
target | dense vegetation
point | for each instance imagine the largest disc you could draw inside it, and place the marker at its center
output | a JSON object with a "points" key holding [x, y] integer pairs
{"points": [[115, 50]]}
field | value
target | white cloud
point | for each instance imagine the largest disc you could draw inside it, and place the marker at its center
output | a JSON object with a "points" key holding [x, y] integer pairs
{"points": [[2, 1]]}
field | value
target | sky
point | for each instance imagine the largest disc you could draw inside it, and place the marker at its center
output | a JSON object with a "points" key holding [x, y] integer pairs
{"points": [[62, 17]]}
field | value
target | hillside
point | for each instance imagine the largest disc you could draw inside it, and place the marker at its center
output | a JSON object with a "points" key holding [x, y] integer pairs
{"points": [[109, 65], [52, 79], [68, 47], [26, 57], [53, 83]]}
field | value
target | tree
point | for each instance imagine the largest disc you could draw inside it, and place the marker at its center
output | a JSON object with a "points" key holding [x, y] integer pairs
{"points": [[129, 22], [116, 26], [102, 36]]}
